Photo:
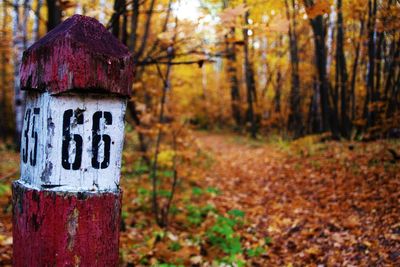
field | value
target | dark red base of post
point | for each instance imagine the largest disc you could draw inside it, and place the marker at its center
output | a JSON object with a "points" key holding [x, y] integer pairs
{"points": [[65, 229]]}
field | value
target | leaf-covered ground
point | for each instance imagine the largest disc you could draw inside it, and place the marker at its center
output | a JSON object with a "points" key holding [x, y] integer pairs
{"points": [[9, 170], [332, 204], [247, 203]]}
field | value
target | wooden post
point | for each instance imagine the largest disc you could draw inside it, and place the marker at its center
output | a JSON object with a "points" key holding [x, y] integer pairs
{"points": [[67, 202]]}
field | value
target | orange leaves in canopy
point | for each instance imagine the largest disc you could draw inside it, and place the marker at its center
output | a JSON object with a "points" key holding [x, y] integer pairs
{"points": [[229, 15], [66, 4], [278, 24], [320, 7]]}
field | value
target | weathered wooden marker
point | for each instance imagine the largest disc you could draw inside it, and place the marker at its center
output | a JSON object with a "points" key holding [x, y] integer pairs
{"points": [[67, 203]]}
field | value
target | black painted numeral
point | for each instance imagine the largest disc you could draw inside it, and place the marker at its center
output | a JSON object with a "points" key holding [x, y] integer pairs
{"points": [[28, 137], [96, 138], [27, 121], [67, 138], [34, 135]]}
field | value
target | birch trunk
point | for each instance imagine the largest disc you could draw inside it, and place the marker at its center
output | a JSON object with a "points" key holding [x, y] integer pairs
{"points": [[103, 8], [19, 43], [3, 107]]}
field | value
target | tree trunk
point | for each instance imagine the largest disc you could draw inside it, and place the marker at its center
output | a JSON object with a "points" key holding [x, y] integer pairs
{"points": [[119, 6], [146, 33], [369, 99], [20, 44], [3, 107], [354, 72], [124, 37], [156, 47], [54, 14], [341, 73], [278, 89], [314, 117], [393, 101], [134, 25], [330, 39], [390, 86], [295, 124], [36, 22], [319, 31], [378, 65], [336, 90], [249, 76], [233, 80], [391, 67], [380, 44], [230, 49]]}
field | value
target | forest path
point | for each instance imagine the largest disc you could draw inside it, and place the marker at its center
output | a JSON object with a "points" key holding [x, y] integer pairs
{"points": [[325, 205]]}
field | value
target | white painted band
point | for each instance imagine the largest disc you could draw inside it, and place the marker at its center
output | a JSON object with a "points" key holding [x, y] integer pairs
{"points": [[72, 142]]}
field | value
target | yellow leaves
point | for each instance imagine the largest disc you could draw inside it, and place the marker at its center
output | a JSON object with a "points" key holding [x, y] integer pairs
{"points": [[319, 8], [314, 250], [151, 242], [165, 158], [5, 248], [5, 240]]}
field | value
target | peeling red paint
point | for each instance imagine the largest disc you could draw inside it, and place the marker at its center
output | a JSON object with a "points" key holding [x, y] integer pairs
{"points": [[81, 55], [58, 228], [65, 229]]}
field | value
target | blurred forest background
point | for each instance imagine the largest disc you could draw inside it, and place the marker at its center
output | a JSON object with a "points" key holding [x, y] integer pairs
{"points": [[287, 67], [312, 71]]}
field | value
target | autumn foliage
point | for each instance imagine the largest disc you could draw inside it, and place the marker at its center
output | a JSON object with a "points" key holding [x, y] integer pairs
{"points": [[306, 93]]}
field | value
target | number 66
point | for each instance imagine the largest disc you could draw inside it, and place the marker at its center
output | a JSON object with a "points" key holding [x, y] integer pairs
{"points": [[67, 139]]}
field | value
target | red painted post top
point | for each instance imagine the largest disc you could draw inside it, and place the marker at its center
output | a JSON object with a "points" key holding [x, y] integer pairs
{"points": [[78, 55]]}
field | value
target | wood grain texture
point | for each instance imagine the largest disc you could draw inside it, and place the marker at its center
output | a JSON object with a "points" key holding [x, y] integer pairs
{"points": [[78, 55], [67, 203], [65, 229]]}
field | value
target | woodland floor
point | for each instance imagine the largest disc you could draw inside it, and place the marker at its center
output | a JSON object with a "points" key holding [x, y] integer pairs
{"points": [[253, 203], [328, 204]]}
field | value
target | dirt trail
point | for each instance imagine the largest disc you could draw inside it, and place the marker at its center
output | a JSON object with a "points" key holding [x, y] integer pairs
{"points": [[328, 208]]}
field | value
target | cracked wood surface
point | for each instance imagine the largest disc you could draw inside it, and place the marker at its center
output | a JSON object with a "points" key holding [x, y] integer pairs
{"points": [[65, 229]]}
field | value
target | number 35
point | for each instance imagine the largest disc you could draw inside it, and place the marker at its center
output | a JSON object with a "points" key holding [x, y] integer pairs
{"points": [[29, 136], [69, 138]]}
